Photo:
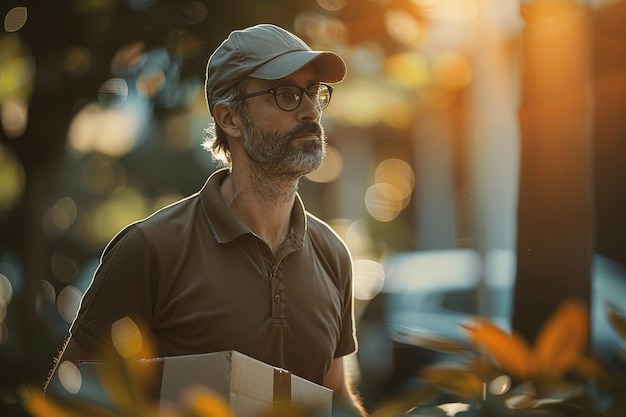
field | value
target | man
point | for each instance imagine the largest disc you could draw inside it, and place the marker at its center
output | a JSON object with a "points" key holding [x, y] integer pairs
{"points": [[241, 265]]}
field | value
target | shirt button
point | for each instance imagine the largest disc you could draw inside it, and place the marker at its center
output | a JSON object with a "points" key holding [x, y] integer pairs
{"points": [[277, 298]]}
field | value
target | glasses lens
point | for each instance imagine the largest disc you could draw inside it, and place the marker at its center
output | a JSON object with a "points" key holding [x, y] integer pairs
{"points": [[322, 94], [288, 97]]}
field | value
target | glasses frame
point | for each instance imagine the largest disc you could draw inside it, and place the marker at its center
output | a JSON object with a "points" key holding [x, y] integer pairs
{"points": [[303, 91]]}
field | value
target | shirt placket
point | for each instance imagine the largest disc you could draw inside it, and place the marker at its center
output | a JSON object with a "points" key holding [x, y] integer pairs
{"points": [[277, 277], [278, 292]]}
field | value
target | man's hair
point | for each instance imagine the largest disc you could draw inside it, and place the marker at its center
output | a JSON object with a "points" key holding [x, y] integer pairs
{"points": [[215, 139]]}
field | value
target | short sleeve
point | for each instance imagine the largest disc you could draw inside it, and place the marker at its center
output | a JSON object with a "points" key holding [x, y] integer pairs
{"points": [[121, 287], [347, 340]]}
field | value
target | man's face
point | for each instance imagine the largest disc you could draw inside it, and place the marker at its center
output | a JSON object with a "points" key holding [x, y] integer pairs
{"points": [[288, 144]]}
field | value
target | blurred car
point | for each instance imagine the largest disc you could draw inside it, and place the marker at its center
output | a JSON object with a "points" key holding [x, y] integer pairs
{"points": [[427, 295]]}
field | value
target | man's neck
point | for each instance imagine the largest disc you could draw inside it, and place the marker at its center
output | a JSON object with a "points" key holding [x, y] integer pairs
{"points": [[263, 205]]}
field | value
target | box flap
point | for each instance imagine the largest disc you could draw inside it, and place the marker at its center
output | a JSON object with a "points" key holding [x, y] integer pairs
{"points": [[311, 396]]}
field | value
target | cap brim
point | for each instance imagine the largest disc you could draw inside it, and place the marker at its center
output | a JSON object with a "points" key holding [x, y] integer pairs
{"points": [[329, 66]]}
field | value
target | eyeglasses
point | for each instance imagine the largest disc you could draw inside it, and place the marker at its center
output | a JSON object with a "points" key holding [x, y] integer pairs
{"points": [[289, 97]]}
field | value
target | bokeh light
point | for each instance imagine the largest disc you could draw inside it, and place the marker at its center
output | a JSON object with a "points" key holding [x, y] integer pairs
{"points": [[409, 69], [404, 28], [185, 44], [47, 296], [452, 70], [450, 10], [15, 19], [150, 83], [366, 102], [399, 174], [108, 217], [453, 409], [323, 30], [332, 5], [12, 183], [48, 293], [127, 57], [163, 199], [500, 385], [17, 68], [110, 131], [330, 169], [383, 202], [70, 377], [366, 59], [6, 290], [126, 337], [392, 190], [68, 302], [357, 238], [194, 11], [59, 218], [14, 117], [369, 278], [10, 268], [113, 92]]}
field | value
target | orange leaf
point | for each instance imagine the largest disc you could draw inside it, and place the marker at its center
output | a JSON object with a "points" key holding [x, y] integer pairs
{"points": [[511, 351], [203, 402], [37, 406], [562, 339]]}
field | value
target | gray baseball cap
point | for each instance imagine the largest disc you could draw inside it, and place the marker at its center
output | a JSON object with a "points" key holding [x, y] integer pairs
{"points": [[267, 52]]}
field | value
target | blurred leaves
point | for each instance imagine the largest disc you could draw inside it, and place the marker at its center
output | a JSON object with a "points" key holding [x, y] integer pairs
{"points": [[511, 351], [555, 376], [559, 347]]}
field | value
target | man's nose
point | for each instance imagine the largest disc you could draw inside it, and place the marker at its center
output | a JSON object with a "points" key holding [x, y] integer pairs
{"points": [[307, 110]]}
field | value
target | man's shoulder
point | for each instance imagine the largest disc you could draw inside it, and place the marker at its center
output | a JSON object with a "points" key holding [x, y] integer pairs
{"points": [[170, 220], [170, 213], [322, 233]]}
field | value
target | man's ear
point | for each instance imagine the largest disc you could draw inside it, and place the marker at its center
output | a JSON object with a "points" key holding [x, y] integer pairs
{"points": [[228, 120]]}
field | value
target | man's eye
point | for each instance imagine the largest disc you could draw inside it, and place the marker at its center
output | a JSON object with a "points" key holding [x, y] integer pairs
{"points": [[286, 95], [314, 91]]}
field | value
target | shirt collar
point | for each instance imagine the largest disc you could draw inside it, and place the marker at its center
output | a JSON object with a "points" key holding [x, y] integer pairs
{"points": [[224, 224]]}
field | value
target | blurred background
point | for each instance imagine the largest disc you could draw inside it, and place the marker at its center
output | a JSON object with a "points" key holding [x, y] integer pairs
{"points": [[476, 166]]}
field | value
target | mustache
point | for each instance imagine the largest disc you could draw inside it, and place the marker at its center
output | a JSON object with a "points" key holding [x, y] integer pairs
{"points": [[307, 128]]}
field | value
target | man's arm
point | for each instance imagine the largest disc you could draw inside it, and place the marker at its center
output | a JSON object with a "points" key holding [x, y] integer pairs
{"points": [[345, 396], [71, 351]]}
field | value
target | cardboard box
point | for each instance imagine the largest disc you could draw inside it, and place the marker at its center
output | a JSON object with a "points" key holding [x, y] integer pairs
{"points": [[249, 386]]}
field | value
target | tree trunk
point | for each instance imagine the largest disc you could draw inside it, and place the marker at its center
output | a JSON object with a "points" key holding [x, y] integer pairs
{"points": [[555, 214]]}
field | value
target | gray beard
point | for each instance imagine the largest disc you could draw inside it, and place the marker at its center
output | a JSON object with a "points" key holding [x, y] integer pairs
{"points": [[276, 161]]}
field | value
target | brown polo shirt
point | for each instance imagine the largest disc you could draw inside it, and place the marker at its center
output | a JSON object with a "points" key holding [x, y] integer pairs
{"points": [[203, 282]]}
